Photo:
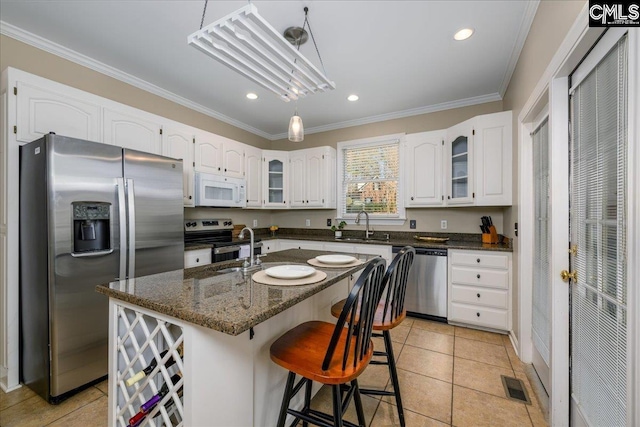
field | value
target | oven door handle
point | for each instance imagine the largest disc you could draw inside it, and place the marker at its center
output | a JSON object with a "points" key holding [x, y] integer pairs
{"points": [[225, 250]]}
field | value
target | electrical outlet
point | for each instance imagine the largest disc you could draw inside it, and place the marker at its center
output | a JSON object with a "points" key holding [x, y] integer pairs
{"points": [[443, 224], [255, 223], [412, 224], [307, 222], [328, 222]]}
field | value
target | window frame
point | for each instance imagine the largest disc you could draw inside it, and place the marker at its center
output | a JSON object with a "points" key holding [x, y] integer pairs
{"points": [[375, 219]]}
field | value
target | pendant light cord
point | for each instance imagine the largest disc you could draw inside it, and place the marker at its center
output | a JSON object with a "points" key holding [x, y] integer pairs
{"points": [[205, 11], [306, 22]]}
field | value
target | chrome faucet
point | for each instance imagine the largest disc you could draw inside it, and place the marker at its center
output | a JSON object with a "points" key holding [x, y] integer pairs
{"points": [[251, 262], [367, 233]]}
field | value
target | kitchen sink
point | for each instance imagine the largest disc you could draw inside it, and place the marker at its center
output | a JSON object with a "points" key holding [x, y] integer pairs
{"points": [[358, 239], [229, 270]]}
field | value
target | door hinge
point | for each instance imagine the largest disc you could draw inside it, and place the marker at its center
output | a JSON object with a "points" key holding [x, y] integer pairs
{"points": [[194, 140], [15, 129], [473, 132], [442, 197], [194, 164], [443, 142], [160, 131], [15, 90], [473, 195]]}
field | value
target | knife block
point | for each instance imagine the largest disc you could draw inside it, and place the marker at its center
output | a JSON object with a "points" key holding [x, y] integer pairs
{"points": [[491, 237]]}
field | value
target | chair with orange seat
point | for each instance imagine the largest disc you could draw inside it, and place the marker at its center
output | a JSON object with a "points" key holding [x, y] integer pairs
{"points": [[332, 354], [389, 314]]}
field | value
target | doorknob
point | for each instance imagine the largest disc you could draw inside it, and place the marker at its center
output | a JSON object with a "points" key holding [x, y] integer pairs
{"points": [[565, 275]]}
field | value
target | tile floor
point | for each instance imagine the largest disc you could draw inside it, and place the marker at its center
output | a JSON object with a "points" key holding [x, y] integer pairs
{"points": [[449, 376]]}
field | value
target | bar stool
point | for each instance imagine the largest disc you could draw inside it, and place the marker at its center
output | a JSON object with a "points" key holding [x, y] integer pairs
{"points": [[389, 314], [332, 354]]}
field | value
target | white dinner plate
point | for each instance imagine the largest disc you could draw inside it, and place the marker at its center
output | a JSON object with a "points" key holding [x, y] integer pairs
{"points": [[335, 259], [290, 271]]}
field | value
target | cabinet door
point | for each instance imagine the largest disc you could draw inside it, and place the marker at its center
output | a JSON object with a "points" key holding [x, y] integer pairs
{"points": [[275, 169], [179, 145], [315, 179], [208, 154], [297, 178], [423, 157], [233, 159], [41, 111], [460, 164], [492, 152], [253, 174], [131, 132]]}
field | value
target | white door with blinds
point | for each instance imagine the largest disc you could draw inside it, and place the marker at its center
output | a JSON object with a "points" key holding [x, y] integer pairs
{"points": [[541, 283], [598, 228]]}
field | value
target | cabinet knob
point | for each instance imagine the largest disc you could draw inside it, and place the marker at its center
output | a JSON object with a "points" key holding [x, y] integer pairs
{"points": [[197, 259], [478, 276], [478, 314], [225, 169], [218, 168], [189, 197], [478, 295], [411, 197], [478, 260], [448, 197], [307, 201]]}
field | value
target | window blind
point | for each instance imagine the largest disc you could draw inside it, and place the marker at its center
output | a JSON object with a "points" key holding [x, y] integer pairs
{"points": [[541, 274], [598, 227], [370, 179]]}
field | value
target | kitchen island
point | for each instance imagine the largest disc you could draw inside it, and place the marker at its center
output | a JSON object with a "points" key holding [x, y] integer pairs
{"points": [[225, 322]]}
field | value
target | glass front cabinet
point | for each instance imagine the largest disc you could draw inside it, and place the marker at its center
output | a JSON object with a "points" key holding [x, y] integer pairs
{"points": [[276, 179], [459, 163]]}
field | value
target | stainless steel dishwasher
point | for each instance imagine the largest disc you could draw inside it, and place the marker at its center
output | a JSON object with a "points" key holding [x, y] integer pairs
{"points": [[427, 284]]}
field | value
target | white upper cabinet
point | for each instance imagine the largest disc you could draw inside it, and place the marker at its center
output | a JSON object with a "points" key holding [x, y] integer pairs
{"points": [[312, 178], [208, 153], [133, 132], [275, 179], [492, 152], [219, 155], [423, 169], [178, 144], [253, 174], [40, 111], [459, 164]]}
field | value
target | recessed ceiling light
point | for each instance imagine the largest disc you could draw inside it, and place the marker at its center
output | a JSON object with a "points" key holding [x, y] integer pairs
{"points": [[353, 98], [252, 95], [463, 34]]}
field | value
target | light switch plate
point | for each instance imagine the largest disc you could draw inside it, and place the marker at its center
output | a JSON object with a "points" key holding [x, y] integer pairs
{"points": [[443, 224], [255, 223], [307, 222], [412, 224]]}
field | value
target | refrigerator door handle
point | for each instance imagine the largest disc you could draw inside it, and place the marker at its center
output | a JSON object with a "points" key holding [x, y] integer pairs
{"points": [[122, 221], [132, 228]]}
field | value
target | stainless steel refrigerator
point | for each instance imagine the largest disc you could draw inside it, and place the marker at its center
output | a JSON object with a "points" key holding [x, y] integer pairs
{"points": [[90, 213]]}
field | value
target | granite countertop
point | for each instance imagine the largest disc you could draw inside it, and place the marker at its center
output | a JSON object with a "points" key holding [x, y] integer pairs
{"points": [[230, 303]]}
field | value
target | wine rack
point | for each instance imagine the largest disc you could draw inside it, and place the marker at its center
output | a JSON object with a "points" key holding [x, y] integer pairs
{"points": [[141, 340]]}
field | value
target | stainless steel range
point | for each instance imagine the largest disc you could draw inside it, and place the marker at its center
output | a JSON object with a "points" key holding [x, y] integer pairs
{"points": [[218, 234]]}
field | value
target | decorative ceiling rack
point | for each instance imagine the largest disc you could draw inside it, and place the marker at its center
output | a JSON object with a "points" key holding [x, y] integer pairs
{"points": [[248, 44]]}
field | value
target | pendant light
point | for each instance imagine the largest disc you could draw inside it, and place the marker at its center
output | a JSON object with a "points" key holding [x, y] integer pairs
{"points": [[296, 128]]}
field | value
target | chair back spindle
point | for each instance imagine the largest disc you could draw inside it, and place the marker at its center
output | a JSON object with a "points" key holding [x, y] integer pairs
{"points": [[357, 316], [395, 283]]}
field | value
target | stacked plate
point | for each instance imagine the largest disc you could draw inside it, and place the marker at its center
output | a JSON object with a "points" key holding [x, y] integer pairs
{"points": [[335, 259], [290, 272]]}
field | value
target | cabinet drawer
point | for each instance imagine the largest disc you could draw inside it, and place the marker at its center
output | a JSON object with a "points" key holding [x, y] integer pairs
{"points": [[480, 296], [479, 259], [196, 258], [480, 277], [481, 316]]}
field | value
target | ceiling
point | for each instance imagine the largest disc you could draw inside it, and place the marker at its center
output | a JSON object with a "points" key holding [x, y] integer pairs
{"points": [[398, 56]]}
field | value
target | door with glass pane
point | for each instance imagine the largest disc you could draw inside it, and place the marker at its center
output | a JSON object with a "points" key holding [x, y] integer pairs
{"points": [[598, 224], [460, 167], [541, 313], [275, 179]]}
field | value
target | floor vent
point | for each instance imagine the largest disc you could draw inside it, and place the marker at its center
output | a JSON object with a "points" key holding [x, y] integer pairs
{"points": [[515, 390]]}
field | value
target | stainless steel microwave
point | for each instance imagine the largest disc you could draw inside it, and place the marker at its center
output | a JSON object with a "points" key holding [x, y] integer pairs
{"points": [[220, 191]]}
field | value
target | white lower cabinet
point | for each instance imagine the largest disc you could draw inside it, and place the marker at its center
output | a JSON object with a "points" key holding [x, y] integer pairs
{"points": [[197, 258], [270, 246], [480, 289]]}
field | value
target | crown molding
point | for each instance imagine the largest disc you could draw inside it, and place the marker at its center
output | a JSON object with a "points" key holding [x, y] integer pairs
{"points": [[525, 26], [401, 114], [88, 62]]}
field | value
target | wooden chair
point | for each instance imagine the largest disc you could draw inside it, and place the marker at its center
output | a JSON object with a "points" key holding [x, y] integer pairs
{"points": [[332, 354], [389, 314]]}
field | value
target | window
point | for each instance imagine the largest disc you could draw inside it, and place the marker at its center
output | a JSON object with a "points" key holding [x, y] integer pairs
{"points": [[369, 178]]}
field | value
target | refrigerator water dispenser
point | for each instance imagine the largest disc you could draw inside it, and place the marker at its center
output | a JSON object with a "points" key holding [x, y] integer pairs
{"points": [[91, 225]]}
